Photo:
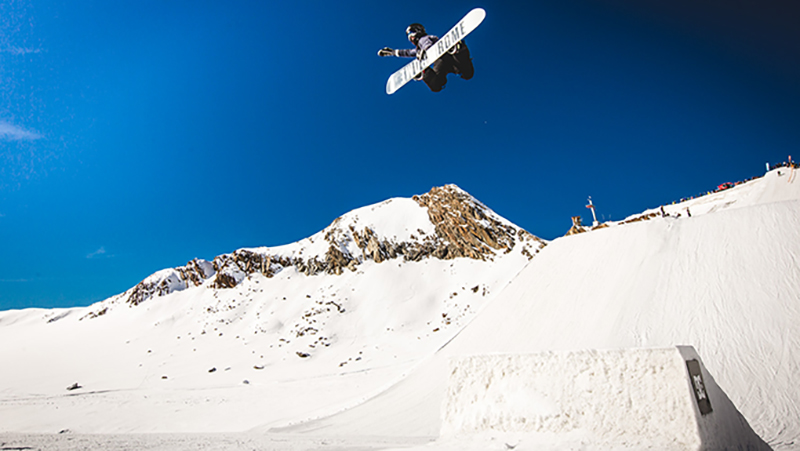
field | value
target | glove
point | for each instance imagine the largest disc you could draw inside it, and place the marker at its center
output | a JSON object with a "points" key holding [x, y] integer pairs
{"points": [[386, 51], [420, 54]]}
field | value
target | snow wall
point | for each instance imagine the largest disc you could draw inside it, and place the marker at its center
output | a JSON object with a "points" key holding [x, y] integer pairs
{"points": [[662, 398]]}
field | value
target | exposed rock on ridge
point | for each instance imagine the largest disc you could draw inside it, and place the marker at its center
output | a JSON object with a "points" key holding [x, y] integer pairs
{"points": [[464, 223], [464, 228], [164, 282]]}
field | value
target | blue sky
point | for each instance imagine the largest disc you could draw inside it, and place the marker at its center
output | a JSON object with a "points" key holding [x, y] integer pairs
{"points": [[135, 136]]}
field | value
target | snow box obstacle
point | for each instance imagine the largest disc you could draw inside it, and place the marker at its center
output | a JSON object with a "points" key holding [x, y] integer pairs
{"points": [[657, 398]]}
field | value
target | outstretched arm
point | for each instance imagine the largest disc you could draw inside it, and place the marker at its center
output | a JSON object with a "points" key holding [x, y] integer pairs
{"points": [[407, 53]]}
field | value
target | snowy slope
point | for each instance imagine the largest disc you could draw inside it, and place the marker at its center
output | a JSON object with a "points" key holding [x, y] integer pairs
{"points": [[725, 280], [357, 341], [264, 335]]}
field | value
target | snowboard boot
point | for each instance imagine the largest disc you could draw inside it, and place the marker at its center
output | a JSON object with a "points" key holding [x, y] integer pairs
{"points": [[456, 48]]}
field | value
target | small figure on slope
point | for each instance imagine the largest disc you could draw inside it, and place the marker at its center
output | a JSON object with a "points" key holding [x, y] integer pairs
{"points": [[455, 61]]}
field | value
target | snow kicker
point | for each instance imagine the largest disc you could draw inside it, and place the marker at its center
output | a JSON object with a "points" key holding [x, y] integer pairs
{"points": [[661, 398]]}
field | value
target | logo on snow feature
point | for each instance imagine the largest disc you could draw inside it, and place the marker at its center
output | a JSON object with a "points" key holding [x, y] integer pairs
{"points": [[699, 387]]}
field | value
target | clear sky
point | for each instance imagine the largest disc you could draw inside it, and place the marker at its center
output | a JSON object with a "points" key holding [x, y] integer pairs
{"points": [[137, 135]]}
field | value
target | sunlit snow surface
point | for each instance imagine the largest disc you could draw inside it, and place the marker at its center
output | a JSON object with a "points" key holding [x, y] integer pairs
{"points": [[288, 362]]}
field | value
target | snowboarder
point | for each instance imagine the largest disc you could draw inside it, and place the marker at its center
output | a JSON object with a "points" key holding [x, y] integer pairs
{"points": [[455, 61]]}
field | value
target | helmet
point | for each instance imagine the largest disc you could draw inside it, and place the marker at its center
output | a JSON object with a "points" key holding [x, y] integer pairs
{"points": [[415, 31], [415, 28]]}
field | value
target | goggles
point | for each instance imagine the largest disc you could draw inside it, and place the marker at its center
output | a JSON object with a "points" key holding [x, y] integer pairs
{"points": [[415, 29]]}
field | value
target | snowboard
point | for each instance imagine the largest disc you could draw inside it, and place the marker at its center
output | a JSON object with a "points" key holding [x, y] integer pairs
{"points": [[445, 43]]}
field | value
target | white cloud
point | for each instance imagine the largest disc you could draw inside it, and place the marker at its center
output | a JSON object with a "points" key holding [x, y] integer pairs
{"points": [[98, 253], [9, 132], [19, 50]]}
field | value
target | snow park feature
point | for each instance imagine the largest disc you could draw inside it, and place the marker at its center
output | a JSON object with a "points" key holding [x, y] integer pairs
{"points": [[344, 340], [635, 398]]}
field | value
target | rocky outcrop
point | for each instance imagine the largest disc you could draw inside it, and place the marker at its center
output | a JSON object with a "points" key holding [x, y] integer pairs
{"points": [[642, 217], [338, 259], [373, 248], [577, 226], [232, 268], [465, 225], [169, 280], [195, 272]]}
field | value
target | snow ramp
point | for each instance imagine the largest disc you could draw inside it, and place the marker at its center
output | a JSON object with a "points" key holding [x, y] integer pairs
{"points": [[655, 398]]}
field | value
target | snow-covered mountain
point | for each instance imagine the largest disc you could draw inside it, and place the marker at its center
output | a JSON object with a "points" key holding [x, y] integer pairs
{"points": [[445, 223], [349, 332], [310, 327]]}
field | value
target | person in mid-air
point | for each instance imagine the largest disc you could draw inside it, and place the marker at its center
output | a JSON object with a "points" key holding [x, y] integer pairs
{"points": [[455, 61]]}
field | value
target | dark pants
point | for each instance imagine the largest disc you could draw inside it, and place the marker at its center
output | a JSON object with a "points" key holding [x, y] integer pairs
{"points": [[459, 63]]}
